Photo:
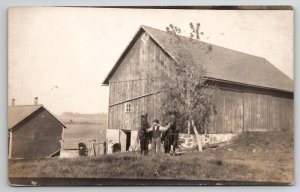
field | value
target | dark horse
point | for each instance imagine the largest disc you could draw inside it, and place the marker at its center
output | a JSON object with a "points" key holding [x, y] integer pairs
{"points": [[171, 136], [144, 136]]}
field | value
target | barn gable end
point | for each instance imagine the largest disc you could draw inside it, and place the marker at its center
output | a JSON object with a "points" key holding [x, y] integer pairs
{"points": [[130, 84]]}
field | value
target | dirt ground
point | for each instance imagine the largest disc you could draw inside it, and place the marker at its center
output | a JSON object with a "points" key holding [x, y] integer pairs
{"points": [[256, 156]]}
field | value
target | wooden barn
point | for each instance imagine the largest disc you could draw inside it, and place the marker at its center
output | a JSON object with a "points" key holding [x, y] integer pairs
{"points": [[253, 94], [33, 132]]}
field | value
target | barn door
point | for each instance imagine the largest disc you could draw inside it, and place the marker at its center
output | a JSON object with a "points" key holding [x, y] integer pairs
{"points": [[229, 112], [258, 112], [125, 140]]}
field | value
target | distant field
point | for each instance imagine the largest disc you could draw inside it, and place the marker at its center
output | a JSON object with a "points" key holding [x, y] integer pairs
{"points": [[86, 132], [83, 131], [86, 127]]}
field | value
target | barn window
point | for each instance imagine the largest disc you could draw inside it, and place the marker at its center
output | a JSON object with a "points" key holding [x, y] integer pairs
{"points": [[128, 107], [145, 38]]}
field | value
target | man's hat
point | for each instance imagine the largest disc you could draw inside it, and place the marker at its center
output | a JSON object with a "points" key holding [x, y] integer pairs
{"points": [[156, 121]]}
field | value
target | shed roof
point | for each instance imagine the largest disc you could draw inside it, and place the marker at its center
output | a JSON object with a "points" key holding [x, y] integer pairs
{"points": [[18, 113], [226, 64]]}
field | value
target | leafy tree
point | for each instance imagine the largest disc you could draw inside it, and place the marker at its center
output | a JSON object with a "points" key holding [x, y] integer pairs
{"points": [[185, 88]]}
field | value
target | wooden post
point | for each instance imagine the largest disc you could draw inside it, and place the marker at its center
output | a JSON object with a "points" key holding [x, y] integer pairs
{"points": [[62, 138], [10, 144], [197, 136], [189, 128]]}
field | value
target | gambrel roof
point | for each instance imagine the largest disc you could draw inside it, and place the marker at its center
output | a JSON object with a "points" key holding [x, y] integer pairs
{"points": [[225, 65], [18, 113]]}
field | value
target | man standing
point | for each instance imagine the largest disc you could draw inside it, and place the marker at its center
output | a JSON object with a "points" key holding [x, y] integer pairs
{"points": [[156, 136]]}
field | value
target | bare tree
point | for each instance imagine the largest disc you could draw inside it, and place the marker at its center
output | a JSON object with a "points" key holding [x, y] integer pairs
{"points": [[185, 87]]}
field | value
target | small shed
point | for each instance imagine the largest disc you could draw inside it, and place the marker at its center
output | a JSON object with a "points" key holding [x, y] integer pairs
{"points": [[253, 94], [33, 131]]}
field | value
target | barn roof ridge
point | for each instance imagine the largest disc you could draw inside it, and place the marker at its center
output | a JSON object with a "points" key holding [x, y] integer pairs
{"points": [[144, 27], [227, 64], [200, 41], [17, 116]]}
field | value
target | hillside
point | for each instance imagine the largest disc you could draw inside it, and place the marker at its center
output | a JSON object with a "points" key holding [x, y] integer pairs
{"points": [[78, 118], [251, 157]]}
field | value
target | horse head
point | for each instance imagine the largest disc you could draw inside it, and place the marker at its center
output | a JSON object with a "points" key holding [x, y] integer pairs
{"points": [[144, 121]]}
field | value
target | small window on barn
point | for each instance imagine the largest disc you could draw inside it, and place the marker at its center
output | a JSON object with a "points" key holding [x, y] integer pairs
{"points": [[128, 107], [145, 37]]}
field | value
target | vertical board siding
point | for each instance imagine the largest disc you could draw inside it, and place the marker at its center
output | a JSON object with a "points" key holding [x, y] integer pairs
{"points": [[39, 136], [131, 120], [133, 79], [239, 111], [229, 108], [264, 112]]}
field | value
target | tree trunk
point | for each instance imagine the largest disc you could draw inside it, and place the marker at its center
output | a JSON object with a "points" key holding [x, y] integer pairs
{"points": [[197, 136], [189, 128]]}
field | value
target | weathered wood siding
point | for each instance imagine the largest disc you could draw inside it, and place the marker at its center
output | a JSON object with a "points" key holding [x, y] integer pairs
{"points": [[39, 136], [239, 108], [244, 109], [229, 112], [132, 80]]}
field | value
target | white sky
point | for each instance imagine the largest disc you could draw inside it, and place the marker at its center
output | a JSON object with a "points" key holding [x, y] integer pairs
{"points": [[62, 55]]}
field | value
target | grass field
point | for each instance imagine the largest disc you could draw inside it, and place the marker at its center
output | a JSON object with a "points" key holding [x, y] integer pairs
{"points": [[260, 157]]}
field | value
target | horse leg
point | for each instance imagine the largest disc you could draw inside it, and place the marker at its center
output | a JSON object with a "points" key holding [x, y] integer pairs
{"points": [[175, 142], [146, 147], [141, 146], [174, 148], [166, 145], [172, 144]]}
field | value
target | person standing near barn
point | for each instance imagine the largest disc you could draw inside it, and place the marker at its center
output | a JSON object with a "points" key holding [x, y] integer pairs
{"points": [[156, 130]]}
